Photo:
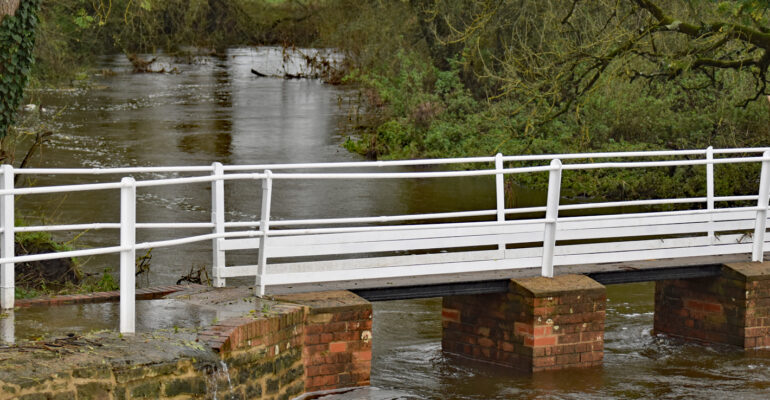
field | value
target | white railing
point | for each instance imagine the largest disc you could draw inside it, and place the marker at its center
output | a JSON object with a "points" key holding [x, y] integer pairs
{"points": [[302, 251]]}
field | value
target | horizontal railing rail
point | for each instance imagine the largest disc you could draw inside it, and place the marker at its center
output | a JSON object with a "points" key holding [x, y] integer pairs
{"points": [[380, 164], [433, 243]]}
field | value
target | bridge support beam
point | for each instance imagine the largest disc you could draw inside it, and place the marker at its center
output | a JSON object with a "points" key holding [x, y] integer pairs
{"points": [[540, 324], [733, 308]]}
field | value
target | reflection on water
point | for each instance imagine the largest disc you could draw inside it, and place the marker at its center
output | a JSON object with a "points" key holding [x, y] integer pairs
{"points": [[215, 110]]}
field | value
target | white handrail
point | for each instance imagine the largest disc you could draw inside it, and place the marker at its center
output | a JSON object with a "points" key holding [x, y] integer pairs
{"points": [[551, 216], [380, 164], [274, 233]]}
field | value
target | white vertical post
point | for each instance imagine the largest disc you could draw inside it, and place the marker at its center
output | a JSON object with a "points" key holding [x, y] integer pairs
{"points": [[218, 218], [760, 225], [551, 214], [127, 255], [264, 227], [7, 240], [500, 197], [7, 327], [710, 191]]}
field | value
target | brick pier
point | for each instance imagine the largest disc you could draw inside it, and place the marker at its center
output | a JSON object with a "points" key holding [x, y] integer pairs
{"points": [[337, 349], [733, 308], [540, 324]]}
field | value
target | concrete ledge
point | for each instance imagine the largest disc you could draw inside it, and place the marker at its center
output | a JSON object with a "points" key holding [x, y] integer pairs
{"points": [[558, 285], [747, 271]]}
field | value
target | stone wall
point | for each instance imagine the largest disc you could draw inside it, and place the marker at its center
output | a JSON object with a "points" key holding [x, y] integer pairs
{"points": [[108, 368], [279, 350], [540, 324], [733, 308]]}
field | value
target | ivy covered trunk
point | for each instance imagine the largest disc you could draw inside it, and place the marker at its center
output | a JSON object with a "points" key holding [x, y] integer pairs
{"points": [[17, 40]]}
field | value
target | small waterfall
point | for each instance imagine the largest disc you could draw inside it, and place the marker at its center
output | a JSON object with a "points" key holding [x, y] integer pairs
{"points": [[227, 374], [217, 372]]}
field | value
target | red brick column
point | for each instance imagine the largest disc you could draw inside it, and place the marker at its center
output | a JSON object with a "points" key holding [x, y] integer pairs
{"points": [[733, 308], [541, 324], [338, 339]]}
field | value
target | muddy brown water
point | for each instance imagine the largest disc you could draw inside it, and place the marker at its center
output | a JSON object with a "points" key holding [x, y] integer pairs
{"points": [[214, 109]]}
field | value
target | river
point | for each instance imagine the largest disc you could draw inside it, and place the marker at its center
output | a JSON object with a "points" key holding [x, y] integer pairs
{"points": [[213, 109]]}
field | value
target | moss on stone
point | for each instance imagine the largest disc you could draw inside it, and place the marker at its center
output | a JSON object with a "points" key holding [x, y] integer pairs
{"points": [[93, 391], [91, 372], [149, 389], [176, 387], [272, 386]]}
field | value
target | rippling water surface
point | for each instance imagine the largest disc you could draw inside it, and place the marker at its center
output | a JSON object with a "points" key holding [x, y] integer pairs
{"points": [[214, 109]]}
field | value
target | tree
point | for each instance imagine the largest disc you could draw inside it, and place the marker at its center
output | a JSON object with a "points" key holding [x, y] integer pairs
{"points": [[17, 38], [8, 7], [743, 45], [549, 54]]}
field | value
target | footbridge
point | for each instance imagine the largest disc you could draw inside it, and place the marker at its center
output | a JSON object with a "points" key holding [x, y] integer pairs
{"points": [[428, 254]]}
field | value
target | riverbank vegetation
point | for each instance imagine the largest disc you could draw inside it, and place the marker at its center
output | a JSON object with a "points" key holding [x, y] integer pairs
{"points": [[466, 78], [53, 277], [462, 78]]}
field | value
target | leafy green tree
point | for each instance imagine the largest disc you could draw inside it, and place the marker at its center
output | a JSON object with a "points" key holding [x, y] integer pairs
{"points": [[18, 20], [551, 53]]}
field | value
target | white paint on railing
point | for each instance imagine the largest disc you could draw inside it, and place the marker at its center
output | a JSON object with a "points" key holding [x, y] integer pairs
{"points": [[264, 227], [100, 226], [127, 255], [7, 240], [218, 219], [760, 225], [500, 195], [380, 164], [111, 171], [551, 216], [62, 254], [451, 247], [710, 187], [406, 175]]}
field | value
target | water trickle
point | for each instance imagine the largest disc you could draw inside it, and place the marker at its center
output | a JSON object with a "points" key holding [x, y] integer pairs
{"points": [[219, 372], [226, 374], [211, 383]]}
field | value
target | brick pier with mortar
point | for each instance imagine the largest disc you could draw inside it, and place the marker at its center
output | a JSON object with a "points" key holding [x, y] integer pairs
{"points": [[337, 350], [540, 324], [733, 308]]}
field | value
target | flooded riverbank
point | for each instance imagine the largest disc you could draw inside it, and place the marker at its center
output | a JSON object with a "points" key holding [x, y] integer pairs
{"points": [[215, 109]]}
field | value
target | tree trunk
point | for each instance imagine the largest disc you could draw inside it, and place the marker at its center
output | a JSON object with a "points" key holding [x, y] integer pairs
{"points": [[8, 7]]}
